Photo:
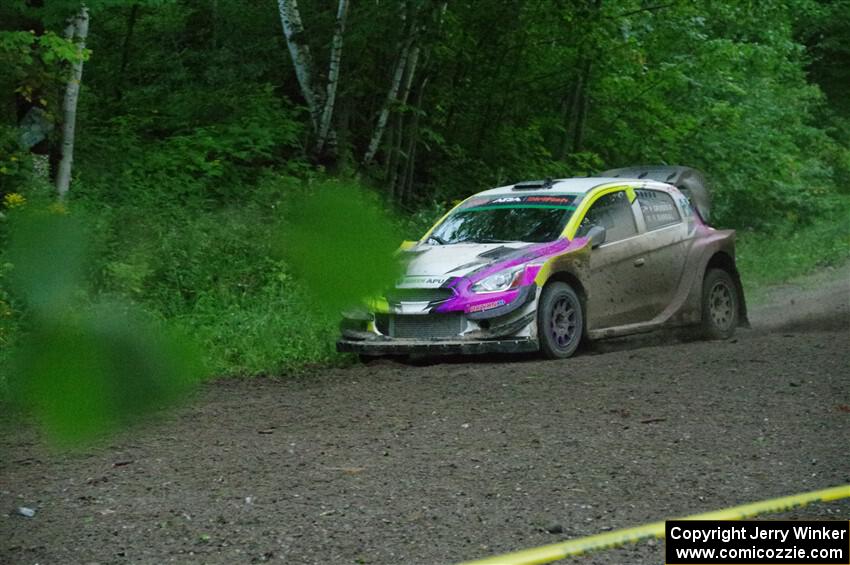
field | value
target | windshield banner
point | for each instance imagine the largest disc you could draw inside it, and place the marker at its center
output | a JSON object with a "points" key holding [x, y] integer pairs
{"points": [[565, 201]]}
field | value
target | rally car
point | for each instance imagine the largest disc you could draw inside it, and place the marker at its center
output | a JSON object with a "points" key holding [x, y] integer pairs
{"points": [[543, 265]]}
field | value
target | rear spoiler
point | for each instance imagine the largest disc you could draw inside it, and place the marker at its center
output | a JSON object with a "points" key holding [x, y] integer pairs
{"points": [[690, 181]]}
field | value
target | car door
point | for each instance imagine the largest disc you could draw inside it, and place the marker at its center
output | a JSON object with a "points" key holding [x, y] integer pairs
{"points": [[616, 292], [665, 244]]}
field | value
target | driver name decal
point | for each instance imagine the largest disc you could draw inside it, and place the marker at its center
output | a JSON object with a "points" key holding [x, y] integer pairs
{"points": [[485, 306]]}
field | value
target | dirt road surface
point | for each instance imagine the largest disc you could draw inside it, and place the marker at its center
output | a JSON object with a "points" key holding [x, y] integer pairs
{"points": [[396, 464]]}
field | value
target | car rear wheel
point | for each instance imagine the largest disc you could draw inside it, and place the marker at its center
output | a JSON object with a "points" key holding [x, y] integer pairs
{"points": [[719, 305], [560, 323]]}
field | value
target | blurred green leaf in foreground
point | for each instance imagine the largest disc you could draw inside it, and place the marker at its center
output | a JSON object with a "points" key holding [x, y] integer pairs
{"points": [[340, 241], [85, 369]]}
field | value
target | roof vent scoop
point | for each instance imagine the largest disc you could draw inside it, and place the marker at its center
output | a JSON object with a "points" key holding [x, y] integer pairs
{"points": [[533, 184], [690, 181]]}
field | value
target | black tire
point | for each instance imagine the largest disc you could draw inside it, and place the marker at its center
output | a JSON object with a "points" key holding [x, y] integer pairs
{"points": [[720, 305], [560, 321]]}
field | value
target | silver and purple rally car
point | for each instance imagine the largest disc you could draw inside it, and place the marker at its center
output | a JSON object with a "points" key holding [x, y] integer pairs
{"points": [[542, 265]]}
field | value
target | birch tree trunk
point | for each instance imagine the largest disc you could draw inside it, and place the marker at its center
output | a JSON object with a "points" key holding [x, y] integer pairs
{"points": [[411, 72], [581, 108], [569, 117], [413, 141], [403, 61], [395, 138], [77, 30], [333, 76], [581, 101], [293, 30], [396, 133]]}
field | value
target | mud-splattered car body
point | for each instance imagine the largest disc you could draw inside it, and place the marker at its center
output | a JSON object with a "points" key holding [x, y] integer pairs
{"points": [[643, 271]]}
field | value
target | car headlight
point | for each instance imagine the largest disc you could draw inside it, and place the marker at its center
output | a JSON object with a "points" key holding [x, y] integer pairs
{"points": [[503, 280]]}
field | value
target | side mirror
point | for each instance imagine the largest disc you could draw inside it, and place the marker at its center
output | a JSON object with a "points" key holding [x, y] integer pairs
{"points": [[596, 235]]}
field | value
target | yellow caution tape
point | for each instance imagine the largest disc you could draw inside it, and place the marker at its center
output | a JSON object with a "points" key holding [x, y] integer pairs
{"points": [[556, 551]]}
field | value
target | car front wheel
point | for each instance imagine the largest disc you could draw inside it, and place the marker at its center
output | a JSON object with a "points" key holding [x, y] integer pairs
{"points": [[719, 305], [560, 323]]}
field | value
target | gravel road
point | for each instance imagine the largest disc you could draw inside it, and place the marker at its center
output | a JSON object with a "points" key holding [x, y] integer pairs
{"points": [[397, 464]]}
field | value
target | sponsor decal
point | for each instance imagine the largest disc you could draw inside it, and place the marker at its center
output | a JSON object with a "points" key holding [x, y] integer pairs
{"points": [[412, 281], [558, 200], [529, 201], [485, 306]]}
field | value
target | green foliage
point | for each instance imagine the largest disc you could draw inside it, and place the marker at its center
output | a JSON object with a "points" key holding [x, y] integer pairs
{"points": [[276, 329], [21, 51], [824, 27], [9, 324], [15, 164], [711, 86], [771, 258], [215, 274], [214, 162]]}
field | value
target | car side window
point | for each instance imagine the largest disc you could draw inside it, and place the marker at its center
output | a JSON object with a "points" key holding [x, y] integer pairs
{"points": [[658, 209], [612, 212]]}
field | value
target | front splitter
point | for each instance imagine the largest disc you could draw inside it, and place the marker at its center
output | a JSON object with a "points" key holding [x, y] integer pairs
{"points": [[378, 347]]}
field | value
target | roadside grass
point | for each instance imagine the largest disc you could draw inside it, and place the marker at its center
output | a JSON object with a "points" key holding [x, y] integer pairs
{"points": [[766, 259], [277, 331]]}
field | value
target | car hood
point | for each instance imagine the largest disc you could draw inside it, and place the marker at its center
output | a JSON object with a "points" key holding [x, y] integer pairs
{"points": [[432, 265]]}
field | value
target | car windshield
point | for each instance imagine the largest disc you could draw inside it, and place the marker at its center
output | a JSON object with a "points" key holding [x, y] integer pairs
{"points": [[506, 219]]}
